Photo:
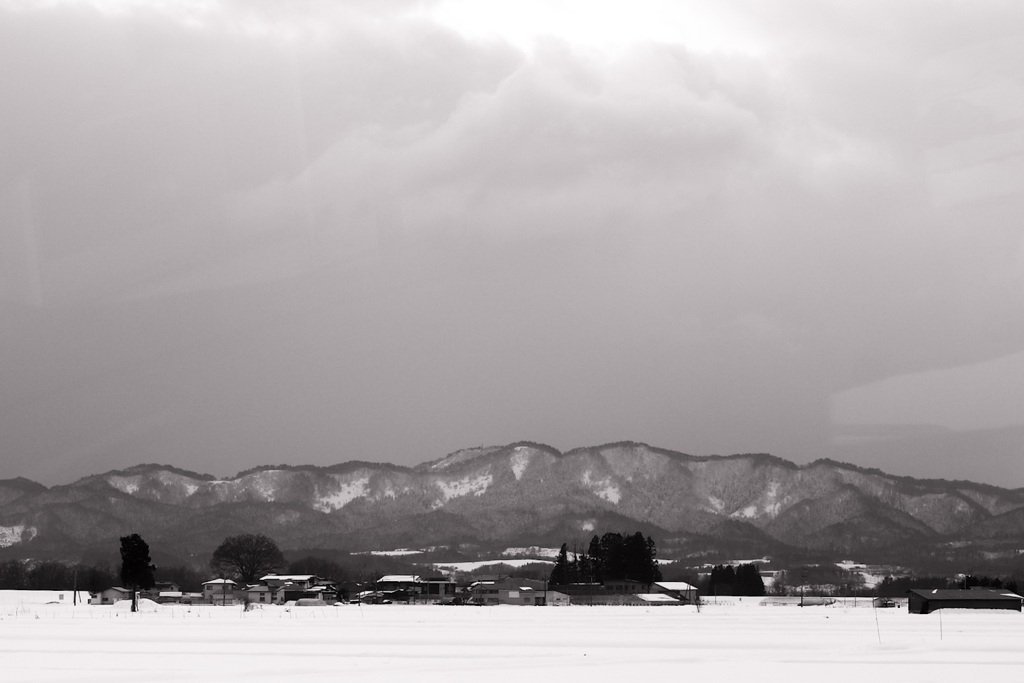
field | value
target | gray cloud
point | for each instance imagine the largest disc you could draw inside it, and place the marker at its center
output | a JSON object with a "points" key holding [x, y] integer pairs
{"points": [[342, 231]]}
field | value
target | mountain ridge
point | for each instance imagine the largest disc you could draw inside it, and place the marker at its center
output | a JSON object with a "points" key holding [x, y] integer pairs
{"points": [[516, 492]]}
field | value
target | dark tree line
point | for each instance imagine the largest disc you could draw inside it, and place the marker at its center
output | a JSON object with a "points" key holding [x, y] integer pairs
{"points": [[610, 557], [21, 575], [745, 579], [894, 587]]}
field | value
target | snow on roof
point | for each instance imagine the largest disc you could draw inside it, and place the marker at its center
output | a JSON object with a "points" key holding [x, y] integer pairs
{"points": [[218, 582], [479, 564], [656, 597], [288, 577], [675, 585], [399, 578], [959, 594]]}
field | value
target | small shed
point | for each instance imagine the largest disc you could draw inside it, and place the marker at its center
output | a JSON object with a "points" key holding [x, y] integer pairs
{"points": [[929, 600]]}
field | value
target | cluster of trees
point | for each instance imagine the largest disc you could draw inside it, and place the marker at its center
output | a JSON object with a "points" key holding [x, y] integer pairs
{"points": [[819, 578], [745, 579], [970, 581], [608, 558], [52, 575], [893, 587], [49, 575]]}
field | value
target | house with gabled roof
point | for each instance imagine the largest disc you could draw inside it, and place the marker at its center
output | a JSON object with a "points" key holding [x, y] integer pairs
{"points": [[110, 596], [259, 594], [298, 580], [680, 590]]}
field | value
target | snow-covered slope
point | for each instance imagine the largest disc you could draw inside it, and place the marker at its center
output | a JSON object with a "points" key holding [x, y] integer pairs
{"points": [[523, 493]]}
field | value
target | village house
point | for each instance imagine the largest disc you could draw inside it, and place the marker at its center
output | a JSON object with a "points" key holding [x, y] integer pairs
{"points": [[282, 588], [259, 594], [219, 592], [397, 588], [620, 593], [158, 588], [510, 591], [110, 596], [174, 597], [680, 590], [437, 589], [410, 588], [925, 601]]}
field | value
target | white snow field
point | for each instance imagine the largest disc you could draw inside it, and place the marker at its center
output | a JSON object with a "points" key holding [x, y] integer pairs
{"points": [[741, 641]]}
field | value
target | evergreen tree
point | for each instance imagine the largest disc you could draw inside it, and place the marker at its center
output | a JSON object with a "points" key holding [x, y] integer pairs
{"points": [[613, 557], [584, 568], [136, 570], [560, 572], [748, 580], [723, 580], [652, 561], [596, 556]]}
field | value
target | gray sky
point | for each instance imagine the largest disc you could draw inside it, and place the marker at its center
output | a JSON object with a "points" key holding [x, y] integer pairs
{"points": [[241, 233]]}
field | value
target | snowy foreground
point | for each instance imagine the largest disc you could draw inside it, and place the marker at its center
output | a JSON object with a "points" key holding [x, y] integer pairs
{"points": [[724, 642]]}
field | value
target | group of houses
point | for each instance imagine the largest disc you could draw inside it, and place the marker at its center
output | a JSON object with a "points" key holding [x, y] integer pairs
{"points": [[275, 589], [280, 589], [309, 589]]}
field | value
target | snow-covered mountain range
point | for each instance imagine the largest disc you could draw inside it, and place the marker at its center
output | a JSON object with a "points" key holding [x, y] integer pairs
{"points": [[520, 494]]}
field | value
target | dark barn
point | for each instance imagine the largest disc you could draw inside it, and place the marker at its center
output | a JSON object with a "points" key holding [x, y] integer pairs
{"points": [[929, 600]]}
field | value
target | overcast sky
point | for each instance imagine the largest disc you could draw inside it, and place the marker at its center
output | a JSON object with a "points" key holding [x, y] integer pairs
{"points": [[236, 233]]}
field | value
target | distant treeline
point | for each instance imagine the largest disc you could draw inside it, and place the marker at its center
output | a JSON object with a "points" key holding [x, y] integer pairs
{"points": [[21, 575], [892, 587], [52, 575]]}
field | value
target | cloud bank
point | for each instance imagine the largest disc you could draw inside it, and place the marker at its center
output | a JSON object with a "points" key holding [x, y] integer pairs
{"points": [[244, 233]]}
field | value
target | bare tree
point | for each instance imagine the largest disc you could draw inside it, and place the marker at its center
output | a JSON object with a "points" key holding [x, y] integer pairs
{"points": [[247, 557]]}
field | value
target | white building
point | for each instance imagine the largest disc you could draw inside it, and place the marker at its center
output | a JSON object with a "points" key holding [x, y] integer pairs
{"points": [[219, 592]]}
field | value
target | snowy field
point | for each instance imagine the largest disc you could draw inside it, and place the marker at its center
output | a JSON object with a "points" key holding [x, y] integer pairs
{"points": [[741, 641]]}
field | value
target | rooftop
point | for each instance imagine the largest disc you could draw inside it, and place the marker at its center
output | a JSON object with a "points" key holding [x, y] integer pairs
{"points": [[399, 578], [971, 594], [675, 585]]}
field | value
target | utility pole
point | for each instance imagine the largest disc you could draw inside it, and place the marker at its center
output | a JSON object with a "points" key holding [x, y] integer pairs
{"points": [[803, 580]]}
